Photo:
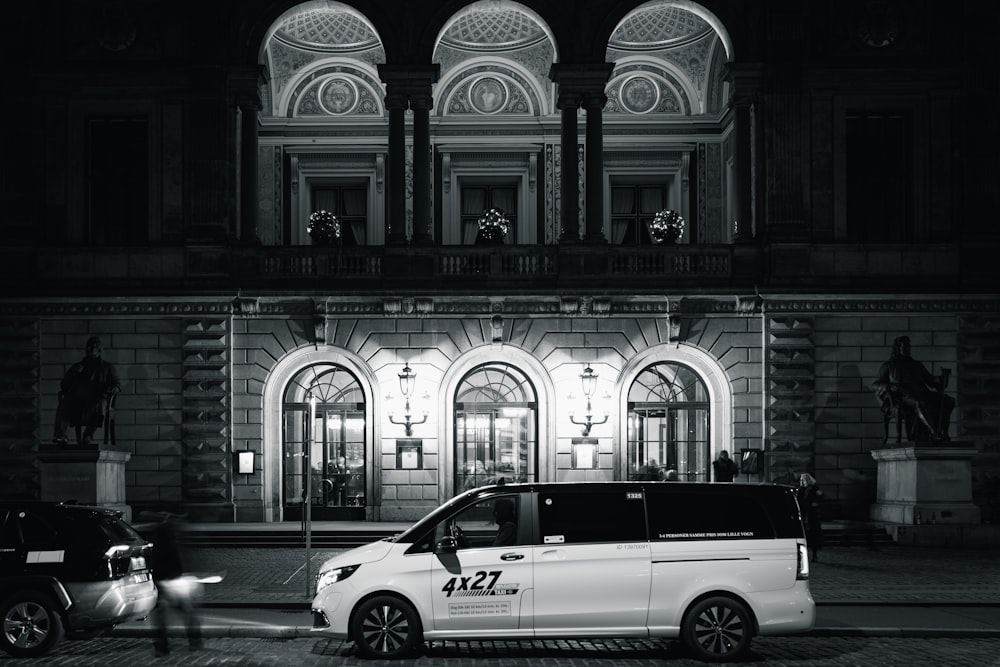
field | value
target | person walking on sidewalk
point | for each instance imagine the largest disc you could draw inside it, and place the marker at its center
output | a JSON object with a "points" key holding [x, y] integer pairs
{"points": [[810, 503], [175, 591]]}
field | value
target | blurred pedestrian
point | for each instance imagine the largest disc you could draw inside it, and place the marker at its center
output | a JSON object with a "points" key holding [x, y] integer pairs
{"points": [[810, 503], [724, 468], [177, 591]]}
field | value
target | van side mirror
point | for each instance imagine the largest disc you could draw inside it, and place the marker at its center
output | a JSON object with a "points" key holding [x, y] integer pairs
{"points": [[446, 545]]}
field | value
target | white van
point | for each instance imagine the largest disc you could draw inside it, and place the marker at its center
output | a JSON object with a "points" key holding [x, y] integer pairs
{"points": [[712, 564]]}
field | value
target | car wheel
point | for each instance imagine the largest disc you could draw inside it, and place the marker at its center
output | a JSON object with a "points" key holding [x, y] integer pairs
{"points": [[386, 627], [718, 629], [32, 625]]}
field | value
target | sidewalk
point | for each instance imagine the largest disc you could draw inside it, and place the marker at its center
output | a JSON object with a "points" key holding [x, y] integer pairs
{"points": [[886, 591]]}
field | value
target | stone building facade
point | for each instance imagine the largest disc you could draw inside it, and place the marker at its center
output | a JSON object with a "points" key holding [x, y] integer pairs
{"points": [[834, 191]]}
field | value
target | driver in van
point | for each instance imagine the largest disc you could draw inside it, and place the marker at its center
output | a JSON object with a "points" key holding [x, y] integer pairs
{"points": [[503, 514]]}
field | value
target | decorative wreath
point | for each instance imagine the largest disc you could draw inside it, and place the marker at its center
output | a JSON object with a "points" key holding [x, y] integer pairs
{"points": [[324, 228], [493, 224], [667, 224]]}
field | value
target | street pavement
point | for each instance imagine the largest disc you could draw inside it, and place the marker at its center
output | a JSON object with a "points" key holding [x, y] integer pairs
{"points": [[884, 606], [887, 591]]}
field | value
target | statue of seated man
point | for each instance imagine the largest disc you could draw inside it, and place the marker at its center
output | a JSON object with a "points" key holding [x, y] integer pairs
{"points": [[908, 391], [85, 395]]}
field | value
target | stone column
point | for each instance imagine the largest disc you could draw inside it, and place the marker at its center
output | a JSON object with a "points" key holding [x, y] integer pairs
{"points": [[745, 79], [581, 84], [244, 91], [395, 219], [248, 168], [594, 102], [408, 86], [421, 104], [569, 217]]}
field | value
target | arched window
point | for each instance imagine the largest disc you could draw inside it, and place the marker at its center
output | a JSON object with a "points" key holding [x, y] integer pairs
{"points": [[668, 423], [329, 457], [496, 415]]}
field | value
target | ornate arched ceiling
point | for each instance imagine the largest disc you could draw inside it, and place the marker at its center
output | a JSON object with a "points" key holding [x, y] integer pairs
{"points": [[659, 26], [495, 57], [668, 58], [321, 58], [327, 28], [490, 27]]}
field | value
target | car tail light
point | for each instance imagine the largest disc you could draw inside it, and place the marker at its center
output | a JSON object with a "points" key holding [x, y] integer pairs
{"points": [[802, 570]]}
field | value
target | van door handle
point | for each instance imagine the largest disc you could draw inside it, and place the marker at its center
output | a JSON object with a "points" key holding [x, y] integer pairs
{"points": [[512, 557]]}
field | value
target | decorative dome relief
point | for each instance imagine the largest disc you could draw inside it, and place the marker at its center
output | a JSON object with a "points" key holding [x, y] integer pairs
{"points": [[484, 91], [658, 25], [488, 95], [338, 96], [329, 27], [490, 26], [644, 93], [335, 94], [639, 94]]}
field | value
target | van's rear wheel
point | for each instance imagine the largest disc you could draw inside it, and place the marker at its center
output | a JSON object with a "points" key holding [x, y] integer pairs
{"points": [[718, 629], [32, 625], [386, 627]]}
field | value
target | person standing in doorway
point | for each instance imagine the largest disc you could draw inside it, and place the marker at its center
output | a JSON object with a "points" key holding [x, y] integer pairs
{"points": [[724, 468]]}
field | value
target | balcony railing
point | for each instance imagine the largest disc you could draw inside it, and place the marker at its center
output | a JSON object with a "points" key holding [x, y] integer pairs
{"points": [[175, 269]]}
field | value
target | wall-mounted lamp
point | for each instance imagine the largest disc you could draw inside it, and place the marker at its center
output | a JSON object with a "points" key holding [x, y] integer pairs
{"points": [[407, 379], [588, 379]]}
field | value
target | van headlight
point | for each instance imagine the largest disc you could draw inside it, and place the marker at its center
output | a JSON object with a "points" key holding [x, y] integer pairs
{"points": [[328, 577]]}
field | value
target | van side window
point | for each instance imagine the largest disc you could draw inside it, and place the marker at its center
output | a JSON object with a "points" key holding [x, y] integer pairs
{"points": [[709, 516], [578, 517], [481, 524]]}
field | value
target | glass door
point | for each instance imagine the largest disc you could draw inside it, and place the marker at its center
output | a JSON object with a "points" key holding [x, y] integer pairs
{"points": [[495, 428], [325, 462], [668, 425]]}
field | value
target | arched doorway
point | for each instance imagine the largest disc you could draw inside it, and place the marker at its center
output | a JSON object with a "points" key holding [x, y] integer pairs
{"points": [[325, 458], [496, 427], [668, 424]]}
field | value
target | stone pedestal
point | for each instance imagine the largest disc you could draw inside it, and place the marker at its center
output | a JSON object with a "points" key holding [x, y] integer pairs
{"points": [[934, 481], [86, 476]]}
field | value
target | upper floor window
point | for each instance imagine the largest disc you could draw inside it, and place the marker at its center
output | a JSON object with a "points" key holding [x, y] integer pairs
{"points": [[476, 199], [632, 209], [880, 177], [116, 206], [350, 204]]}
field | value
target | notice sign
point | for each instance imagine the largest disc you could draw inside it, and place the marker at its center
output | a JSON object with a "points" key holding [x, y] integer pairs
{"points": [[409, 453], [477, 608]]}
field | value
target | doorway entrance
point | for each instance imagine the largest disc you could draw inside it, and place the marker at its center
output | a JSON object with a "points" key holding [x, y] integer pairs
{"points": [[323, 432]]}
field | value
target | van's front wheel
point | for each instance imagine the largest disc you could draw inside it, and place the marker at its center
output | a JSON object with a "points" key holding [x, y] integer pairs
{"points": [[718, 629], [386, 627]]}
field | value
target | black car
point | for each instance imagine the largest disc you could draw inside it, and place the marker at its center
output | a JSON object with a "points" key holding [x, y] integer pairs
{"points": [[70, 570]]}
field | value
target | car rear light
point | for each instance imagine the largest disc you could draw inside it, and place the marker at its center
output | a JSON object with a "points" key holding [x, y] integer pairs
{"points": [[802, 570]]}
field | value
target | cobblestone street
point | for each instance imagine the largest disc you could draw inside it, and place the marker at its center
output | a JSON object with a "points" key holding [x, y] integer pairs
{"points": [[774, 652]]}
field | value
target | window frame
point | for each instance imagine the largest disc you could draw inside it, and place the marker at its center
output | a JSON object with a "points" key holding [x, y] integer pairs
{"points": [[916, 108]]}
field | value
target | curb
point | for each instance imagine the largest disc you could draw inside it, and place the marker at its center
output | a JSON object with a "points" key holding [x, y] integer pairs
{"points": [[302, 632]]}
